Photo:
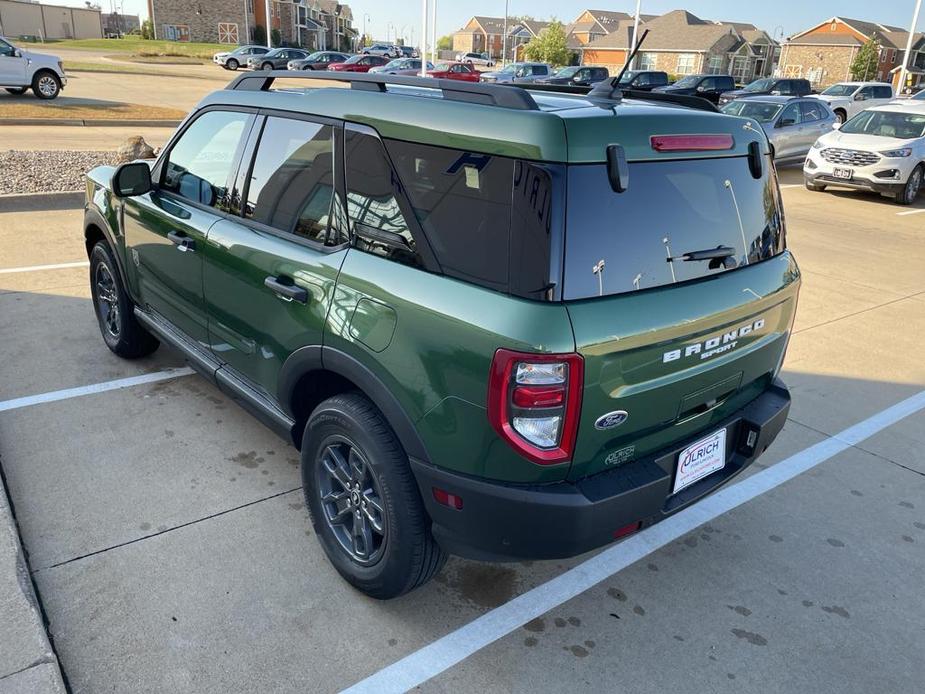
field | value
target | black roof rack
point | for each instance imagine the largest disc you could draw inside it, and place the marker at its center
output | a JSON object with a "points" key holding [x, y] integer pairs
{"points": [[681, 99], [611, 93], [453, 90]]}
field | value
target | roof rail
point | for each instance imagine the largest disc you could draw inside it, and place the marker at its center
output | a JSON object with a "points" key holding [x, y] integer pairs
{"points": [[453, 90], [681, 99], [611, 93]]}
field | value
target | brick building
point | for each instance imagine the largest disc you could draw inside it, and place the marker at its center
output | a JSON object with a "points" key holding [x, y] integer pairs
{"points": [[823, 53], [481, 35]]}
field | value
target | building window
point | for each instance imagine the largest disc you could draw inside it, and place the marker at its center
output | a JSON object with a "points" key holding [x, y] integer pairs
{"points": [[276, 10], [227, 32], [176, 32], [647, 61], [715, 66], [250, 6], [686, 63]]}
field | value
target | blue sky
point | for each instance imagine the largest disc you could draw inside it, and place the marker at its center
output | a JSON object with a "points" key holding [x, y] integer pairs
{"points": [[788, 16]]}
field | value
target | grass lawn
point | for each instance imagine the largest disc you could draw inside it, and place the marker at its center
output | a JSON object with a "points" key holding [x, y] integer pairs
{"points": [[27, 106], [129, 68], [134, 45]]}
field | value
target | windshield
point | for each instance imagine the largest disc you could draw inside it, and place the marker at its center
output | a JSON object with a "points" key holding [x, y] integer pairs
{"points": [[315, 56], [568, 71], [442, 67], [628, 77], [669, 209], [272, 54], [840, 90], [761, 111], [355, 59], [397, 64], [920, 96], [904, 126], [759, 86], [507, 69], [689, 81]]}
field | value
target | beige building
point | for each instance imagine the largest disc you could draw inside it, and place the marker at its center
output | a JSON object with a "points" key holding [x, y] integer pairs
{"points": [[48, 21], [480, 35]]}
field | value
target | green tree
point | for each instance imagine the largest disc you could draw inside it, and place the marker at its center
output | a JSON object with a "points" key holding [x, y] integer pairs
{"points": [[445, 43], [275, 37], [864, 65], [260, 35], [147, 29], [550, 46]]}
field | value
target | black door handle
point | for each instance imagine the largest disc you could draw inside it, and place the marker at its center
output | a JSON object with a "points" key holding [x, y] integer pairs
{"points": [[285, 289], [181, 241]]}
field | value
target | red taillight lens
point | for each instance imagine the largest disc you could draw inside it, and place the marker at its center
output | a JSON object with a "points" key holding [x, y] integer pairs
{"points": [[691, 143], [442, 496], [534, 401]]}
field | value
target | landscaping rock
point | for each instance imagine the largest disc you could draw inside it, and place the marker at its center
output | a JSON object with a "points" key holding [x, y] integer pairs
{"points": [[135, 148]]}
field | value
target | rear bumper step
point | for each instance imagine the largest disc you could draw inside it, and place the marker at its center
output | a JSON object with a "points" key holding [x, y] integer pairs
{"points": [[512, 522]]}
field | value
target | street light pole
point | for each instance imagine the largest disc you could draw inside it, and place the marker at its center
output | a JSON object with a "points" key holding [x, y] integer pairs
{"points": [[266, 8], [915, 21], [635, 29], [503, 37], [433, 37], [365, 17], [423, 36]]}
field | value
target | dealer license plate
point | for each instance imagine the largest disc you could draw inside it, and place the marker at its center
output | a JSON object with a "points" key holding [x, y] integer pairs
{"points": [[845, 174], [700, 459]]}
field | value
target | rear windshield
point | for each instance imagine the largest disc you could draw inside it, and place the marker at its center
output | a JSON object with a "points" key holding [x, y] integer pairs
{"points": [[761, 111], [618, 243]]}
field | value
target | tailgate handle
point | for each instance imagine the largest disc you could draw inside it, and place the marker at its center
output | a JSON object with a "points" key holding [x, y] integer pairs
{"points": [[708, 398]]}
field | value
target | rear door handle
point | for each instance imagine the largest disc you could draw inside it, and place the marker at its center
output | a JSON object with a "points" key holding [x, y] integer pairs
{"points": [[181, 241], [284, 288]]}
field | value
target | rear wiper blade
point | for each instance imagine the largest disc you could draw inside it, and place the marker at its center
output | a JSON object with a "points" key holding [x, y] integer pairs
{"points": [[720, 253]]}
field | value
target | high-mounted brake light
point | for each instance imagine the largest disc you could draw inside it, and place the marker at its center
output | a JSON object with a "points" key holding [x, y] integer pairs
{"points": [[534, 401], [691, 143]]}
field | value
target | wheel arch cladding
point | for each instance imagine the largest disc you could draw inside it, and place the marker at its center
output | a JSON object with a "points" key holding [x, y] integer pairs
{"points": [[95, 230], [312, 374]]}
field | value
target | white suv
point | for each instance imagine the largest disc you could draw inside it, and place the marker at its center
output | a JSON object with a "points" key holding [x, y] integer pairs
{"points": [[881, 149], [847, 99], [20, 70]]}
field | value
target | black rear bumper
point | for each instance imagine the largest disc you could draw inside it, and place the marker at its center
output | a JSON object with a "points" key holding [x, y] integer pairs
{"points": [[509, 522]]}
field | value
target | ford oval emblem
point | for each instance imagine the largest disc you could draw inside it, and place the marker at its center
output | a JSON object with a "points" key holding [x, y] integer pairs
{"points": [[611, 420]]}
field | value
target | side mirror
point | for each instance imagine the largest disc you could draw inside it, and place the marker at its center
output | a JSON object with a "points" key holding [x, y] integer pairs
{"points": [[860, 97], [775, 92], [17, 53], [836, 125], [785, 122], [131, 179], [701, 88]]}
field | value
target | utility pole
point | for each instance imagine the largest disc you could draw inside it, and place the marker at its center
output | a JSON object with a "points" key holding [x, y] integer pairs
{"points": [[433, 37], [635, 28], [915, 22], [503, 37], [266, 8], [423, 36]]}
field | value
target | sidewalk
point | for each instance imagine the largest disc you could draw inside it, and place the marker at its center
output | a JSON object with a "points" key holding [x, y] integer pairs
{"points": [[87, 138], [27, 662]]}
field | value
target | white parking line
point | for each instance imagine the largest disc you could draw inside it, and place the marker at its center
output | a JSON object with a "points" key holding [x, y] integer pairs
{"points": [[791, 185], [36, 268], [431, 660], [68, 393], [903, 214]]}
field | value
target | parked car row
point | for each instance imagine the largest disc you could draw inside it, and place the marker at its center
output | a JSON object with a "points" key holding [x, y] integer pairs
{"points": [[284, 58]]}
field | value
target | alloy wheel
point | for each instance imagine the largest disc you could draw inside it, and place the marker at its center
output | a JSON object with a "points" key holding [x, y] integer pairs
{"points": [[107, 300], [47, 86], [351, 501], [913, 185]]}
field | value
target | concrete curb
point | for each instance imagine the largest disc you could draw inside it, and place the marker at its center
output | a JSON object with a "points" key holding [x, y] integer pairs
{"points": [[27, 661], [34, 202], [94, 122]]}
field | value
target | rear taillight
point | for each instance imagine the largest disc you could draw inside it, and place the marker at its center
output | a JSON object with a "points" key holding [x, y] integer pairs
{"points": [[534, 401]]}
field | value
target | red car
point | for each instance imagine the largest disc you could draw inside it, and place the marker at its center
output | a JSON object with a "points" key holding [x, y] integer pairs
{"points": [[359, 63], [455, 71]]}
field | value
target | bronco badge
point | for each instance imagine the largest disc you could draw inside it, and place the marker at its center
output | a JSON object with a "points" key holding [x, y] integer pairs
{"points": [[611, 420]]}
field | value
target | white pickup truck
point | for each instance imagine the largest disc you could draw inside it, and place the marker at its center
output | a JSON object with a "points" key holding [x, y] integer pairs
{"points": [[20, 70], [847, 99]]}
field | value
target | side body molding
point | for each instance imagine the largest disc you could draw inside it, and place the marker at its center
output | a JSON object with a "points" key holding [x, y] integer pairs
{"points": [[315, 358]]}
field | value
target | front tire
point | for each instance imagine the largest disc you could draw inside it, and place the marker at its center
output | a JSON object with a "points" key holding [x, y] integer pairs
{"points": [[46, 85], [232, 64], [840, 115], [121, 331], [17, 91], [266, 66], [363, 500], [910, 191], [818, 187]]}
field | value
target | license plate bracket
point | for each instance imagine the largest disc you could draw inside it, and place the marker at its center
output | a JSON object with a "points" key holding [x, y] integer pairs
{"points": [[702, 458]]}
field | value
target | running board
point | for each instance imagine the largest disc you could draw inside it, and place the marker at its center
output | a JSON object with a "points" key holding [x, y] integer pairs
{"points": [[229, 381]]}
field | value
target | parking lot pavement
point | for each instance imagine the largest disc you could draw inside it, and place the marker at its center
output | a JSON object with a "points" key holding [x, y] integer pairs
{"points": [[167, 536]]}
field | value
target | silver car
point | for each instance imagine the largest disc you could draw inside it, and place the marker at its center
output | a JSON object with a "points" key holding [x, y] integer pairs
{"points": [[792, 124], [401, 66], [518, 72]]}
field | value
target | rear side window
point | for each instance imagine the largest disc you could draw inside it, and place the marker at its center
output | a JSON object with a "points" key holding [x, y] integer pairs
{"points": [[199, 164], [462, 200], [725, 83], [883, 93], [291, 186], [669, 209], [812, 110]]}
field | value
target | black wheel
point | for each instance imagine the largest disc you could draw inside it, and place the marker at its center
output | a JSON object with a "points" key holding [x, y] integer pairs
{"points": [[266, 66], [17, 91], [910, 191], [232, 64], [122, 333], [364, 501], [818, 187], [840, 115], [46, 84]]}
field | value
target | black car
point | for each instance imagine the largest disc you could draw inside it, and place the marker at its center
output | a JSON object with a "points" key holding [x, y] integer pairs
{"points": [[643, 80], [707, 87], [577, 76], [769, 85]]}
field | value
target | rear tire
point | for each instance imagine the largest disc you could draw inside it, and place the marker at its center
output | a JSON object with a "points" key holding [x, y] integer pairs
{"points": [[232, 64], [17, 91], [121, 331], [46, 84], [840, 115], [910, 191], [355, 476]]}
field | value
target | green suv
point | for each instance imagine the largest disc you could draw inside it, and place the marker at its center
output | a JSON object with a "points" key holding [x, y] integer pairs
{"points": [[498, 323]]}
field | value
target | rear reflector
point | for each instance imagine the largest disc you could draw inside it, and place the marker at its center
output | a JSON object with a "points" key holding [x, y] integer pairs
{"points": [[691, 143], [626, 530], [444, 497]]}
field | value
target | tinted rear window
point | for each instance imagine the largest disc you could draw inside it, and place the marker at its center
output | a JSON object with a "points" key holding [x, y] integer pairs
{"points": [[670, 208]]}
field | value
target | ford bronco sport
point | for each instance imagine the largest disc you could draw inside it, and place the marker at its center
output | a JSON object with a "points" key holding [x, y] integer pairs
{"points": [[497, 322]]}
